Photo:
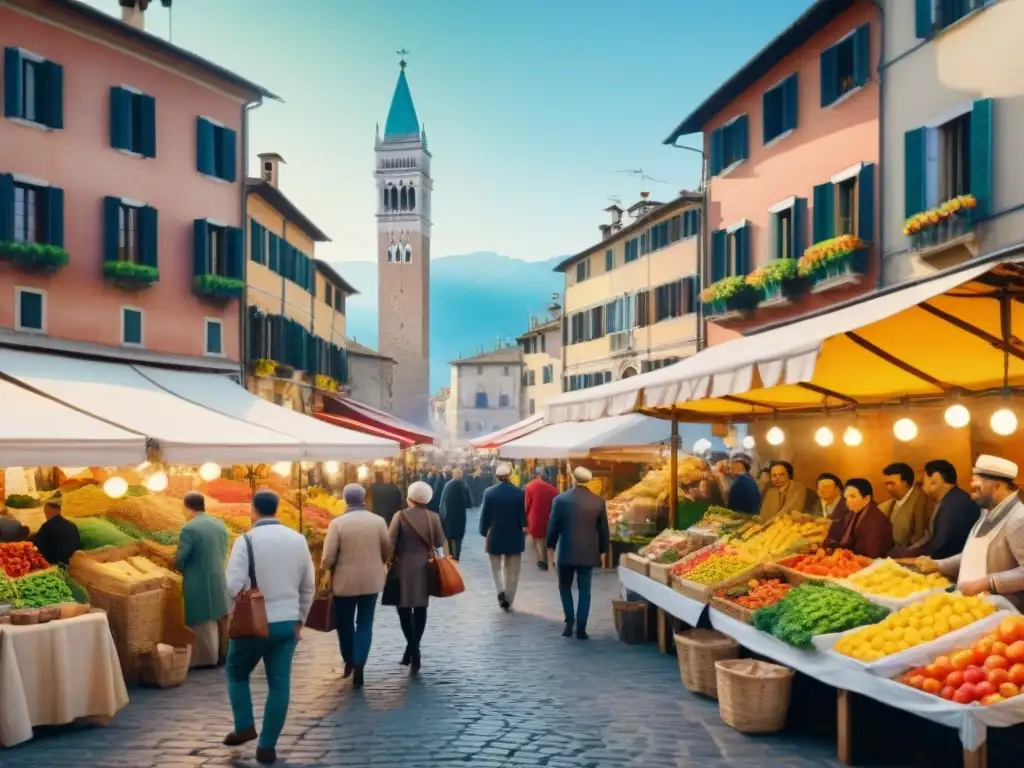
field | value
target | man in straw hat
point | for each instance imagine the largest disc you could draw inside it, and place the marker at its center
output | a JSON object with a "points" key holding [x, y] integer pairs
{"points": [[993, 557], [503, 524], [578, 530]]}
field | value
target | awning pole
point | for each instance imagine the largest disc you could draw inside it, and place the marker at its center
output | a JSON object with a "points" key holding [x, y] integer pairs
{"points": [[673, 472]]}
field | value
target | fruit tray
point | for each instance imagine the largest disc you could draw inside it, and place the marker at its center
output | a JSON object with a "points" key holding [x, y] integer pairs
{"points": [[892, 603]]}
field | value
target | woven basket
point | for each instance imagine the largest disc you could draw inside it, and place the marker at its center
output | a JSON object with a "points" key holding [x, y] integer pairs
{"points": [[136, 624], [165, 671], [753, 696], [697, 651], [621, 606]]}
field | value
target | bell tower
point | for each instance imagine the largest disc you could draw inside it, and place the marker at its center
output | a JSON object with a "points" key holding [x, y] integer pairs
{"points": [[404, 188]]}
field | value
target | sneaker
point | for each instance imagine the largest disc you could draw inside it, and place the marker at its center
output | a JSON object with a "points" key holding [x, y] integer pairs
{"points": [[567, 632]]}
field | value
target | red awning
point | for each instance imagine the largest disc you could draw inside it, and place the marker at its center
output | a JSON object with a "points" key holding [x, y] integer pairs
{"points": [[352, 414], [499, 437]]}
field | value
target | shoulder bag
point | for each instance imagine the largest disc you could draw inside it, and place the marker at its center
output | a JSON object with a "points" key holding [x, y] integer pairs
{"points": [[249, 618], [392, 585], [443, 577]]}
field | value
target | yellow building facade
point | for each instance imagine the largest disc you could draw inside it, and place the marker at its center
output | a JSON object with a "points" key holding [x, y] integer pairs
{"points": [[631, 299]]}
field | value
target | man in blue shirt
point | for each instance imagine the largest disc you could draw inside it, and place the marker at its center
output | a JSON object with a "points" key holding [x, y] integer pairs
{"points": [[741, 491]]}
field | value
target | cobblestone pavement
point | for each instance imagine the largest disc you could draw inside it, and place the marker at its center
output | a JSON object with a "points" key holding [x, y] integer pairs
{"points": [[496, 691]]}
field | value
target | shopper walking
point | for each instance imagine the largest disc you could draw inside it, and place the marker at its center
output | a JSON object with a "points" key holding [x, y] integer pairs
{"points": [[455, 502], [414, 533], [385, 498], [539, 496], [578, 530], [202, 552], [356, 551], [503, 524], [284, 575]]}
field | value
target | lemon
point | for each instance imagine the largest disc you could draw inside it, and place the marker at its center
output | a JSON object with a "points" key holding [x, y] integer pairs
{"points": [[957, 621], [890, 648], [912, 637], [877, 643], [927, 634]]}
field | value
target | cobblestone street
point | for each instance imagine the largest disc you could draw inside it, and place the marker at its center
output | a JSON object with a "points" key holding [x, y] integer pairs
{"points": [[495, 690]]}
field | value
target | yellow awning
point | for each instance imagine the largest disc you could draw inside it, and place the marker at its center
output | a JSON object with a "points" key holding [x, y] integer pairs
{"points": [[934, 337]]}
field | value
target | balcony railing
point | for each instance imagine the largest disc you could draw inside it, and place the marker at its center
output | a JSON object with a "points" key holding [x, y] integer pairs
{"points": [[942, 229], [621, 341]]}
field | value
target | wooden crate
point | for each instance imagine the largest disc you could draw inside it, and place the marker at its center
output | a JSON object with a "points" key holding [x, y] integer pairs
{"points": [[797, 578], [738, 612], [634, 562], [660, 572], [703, 593]]}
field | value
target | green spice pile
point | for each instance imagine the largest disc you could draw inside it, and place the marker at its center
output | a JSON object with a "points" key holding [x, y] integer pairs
{"points": [[815, 608], [37, 590], [8, 590], [97, 532]]}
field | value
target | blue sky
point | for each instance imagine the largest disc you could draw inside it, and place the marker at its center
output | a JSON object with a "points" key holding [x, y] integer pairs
{"points": [[530, 106]]}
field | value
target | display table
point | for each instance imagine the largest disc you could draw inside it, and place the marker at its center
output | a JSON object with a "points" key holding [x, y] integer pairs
{"points": [[684, 608], [55, 673]]}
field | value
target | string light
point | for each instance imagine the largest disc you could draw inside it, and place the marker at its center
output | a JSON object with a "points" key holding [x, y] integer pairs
{"points": [[115, 487], [1004, 422], [749, 442], [282, 468], [363, 472], [824, 437], [853, 437], [957, 416], [331, 467], [157, 482], [701, 447], [905, 430], [775, 436], [209, 471]]}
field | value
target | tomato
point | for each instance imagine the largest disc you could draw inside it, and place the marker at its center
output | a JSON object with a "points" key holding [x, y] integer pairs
{"points": [[961, 660], [1015, 652], [996, 662], [1011, 630], [1017, 675], [997, 676], [985, 644], [1008, 690], [983, 689], [974, 675], [955, 679], [992, 698], [965, 694], [947, 692], [916, 681], [998, 648], [931, 685]]}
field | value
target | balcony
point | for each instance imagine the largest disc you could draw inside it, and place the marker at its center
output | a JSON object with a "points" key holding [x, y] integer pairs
{"points": [[621, 341], [945, 235]]}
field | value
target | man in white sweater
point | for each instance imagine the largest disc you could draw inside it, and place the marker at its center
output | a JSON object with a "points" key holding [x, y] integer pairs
{"points": [[284, 575]]}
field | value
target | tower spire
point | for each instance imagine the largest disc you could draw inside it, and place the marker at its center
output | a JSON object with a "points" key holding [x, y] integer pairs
{"points": [[402, 123], [402, 54]]}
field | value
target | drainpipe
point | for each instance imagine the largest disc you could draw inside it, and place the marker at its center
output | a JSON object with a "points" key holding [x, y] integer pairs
{"points": [[880, 281], [243, 309]]}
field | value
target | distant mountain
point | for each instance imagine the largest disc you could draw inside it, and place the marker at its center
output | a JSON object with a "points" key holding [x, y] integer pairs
{"points": [[475, 299]]}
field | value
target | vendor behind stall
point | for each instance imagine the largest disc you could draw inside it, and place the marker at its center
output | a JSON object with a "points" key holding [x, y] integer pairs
{"points": [[955, 514], [58, 538], [738, 485], [785, 495], [993, 558], [861, 527], [10, 528]]}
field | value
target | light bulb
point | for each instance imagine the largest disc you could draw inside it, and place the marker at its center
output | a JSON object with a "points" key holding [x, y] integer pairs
{"points": [[363, 472], [775, 436], [701, 446], [749, 442], [957, 416], [1004, 422], [209, 471], [824, 437], [853, 437], [905, 430], [115, 487], [331, 467], [157, 482], [282, 468]]}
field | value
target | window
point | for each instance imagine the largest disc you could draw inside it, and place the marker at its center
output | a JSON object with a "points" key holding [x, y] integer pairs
{"points": [[729, 145], [632, 250], [339, 300], [779, 109], [934, 15], [730, 252], [480, 401], [29, 219], [547, 374], [217, 250], [503, 401], [33, 89], [582, 270], [846, 207], [668, 301], [329, 295], [846, 65], [609, 260], [132, 121], [643, 309], [129, 245], [214, 337], [131, 326], [787, 229], [531, 407], [216, 150], [30, 310], [691, 223], [257, 242], [531, 378], [955, 172]]}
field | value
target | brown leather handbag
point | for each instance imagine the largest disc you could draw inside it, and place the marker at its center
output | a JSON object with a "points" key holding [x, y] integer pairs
{"points": [[321, 613], [443, 577], [250, 616]]}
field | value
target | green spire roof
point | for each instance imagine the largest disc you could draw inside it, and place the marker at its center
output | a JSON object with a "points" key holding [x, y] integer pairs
{"points": [[402, 122]]}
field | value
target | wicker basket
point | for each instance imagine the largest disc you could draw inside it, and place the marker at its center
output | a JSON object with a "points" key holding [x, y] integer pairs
{"points": [[136, 624], [165, 671], [697, 651], [634, 562], [622, 606], [753, 696]]}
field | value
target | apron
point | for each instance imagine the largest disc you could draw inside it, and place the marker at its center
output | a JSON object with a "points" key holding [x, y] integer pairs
{"points": [[974, 560]]}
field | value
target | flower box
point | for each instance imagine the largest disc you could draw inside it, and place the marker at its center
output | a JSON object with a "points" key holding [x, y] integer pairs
{"points": [[948, 221], [263, 367], [730, 294], [36, 257], [130, 276], [218, 287]]}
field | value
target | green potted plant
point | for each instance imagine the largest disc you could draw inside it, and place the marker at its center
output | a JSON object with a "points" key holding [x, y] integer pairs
{"points": [[218, 287], [728, 295], [777, 279], [34, 256], [130, 276], [264, 367]]}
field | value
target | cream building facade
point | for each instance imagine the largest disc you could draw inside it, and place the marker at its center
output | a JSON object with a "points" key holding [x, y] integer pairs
{"points": [[631, 299], [542, 361], [953, 113], [485, 393], [370, 376]]}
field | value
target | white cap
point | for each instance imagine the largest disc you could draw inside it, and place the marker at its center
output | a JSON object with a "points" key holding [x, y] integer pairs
{"points": [[420, 492], [504, 469], [993, 466], [582, 475]]}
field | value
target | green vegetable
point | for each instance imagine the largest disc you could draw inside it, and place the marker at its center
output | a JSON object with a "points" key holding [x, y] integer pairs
{"points": [[167, 538], [137, 490], [97, 532], [668, 556], [8, 589], [816, 608], [37, 590], [21, 501]]}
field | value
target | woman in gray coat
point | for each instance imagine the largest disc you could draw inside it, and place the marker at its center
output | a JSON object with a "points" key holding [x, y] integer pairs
{"points": [[414, 532]]}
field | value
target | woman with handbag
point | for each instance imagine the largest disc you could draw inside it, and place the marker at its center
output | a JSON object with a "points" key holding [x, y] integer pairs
{"points": [[417, 538], [356, 551]]}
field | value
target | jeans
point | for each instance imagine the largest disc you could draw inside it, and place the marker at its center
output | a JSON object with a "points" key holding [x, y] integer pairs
{"points": [[505, 569], [276, 652], [583, 574], [355, 626], [413, 621], [455, 548]]}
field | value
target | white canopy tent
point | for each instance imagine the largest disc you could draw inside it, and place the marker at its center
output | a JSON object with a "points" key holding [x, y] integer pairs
{"points": [[577, 439], [505, 434], [320, 441], [185, 433], [35, 430]]}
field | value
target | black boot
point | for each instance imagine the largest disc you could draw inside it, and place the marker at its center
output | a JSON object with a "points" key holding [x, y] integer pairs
{"points": [[581, 633], [501, 599], [542, 565], [357, 680], [348, 671], [567, 632], [266, 755], [407, 656], [414, 667]]}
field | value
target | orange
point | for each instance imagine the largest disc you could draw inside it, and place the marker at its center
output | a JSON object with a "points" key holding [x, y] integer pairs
{"points": [[992, 698], [1008, 690], [931, 685], [961, 660], [997, 676], [1017, 675], [996, 662], [999, 648], [917, 681], [955, 679], [1015, 651]]}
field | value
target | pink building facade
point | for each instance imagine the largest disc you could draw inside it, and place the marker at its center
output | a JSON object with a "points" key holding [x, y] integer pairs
{"points": [[791, 144], [122, 170]]}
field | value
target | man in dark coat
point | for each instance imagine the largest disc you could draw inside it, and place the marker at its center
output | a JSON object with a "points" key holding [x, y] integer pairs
{"points": [[385, 498], [954, 518], [503, 524], [11, 529], [58, 538], [578, 530], [455, 502]]}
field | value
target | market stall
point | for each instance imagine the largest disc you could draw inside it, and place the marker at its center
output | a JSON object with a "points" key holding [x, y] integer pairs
{"points": [[498, 438]]}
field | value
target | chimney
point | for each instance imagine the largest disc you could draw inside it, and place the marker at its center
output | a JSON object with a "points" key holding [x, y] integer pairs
{"points": [[133, 12], [270, 168], [606, 231]]}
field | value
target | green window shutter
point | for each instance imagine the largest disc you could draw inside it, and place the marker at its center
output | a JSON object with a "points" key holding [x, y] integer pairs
{"points": [[111, 227], [914, 195], [31, 314], [12, 82], [54, 216], [120, 118], [53, 95], [6, 207], [981, 156], [719, 256], [744, 258], [790, 102], [768, 116], [255, 242], [149, 233], [824, 212], [717, 152], [923, 18], [214, 342], [147, 126], [862, 54], [235, 252], [275, 254], [205, 137], [740, 137], [799, 227], [829, 61], [228, 154], [201, 248], [866, 203]]}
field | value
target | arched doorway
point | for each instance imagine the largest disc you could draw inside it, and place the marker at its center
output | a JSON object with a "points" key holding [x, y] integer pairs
{"points": [[631, 371]]}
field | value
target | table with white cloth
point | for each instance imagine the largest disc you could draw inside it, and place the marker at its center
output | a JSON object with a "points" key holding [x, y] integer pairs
{"points": [[55, 673], [670, 604]]}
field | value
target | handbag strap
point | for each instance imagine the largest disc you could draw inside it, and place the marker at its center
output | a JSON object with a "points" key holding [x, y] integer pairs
{"points": [[252, 562], [430, 543]]}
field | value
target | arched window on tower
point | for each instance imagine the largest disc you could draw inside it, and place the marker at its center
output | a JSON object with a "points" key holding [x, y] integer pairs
{"points": [[387, 206], [404, 199], [408, 253], [412, 198], [394, 198]]}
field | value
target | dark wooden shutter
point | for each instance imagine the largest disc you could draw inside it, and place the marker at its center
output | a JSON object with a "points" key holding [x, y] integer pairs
{"points": [[829, 68], [53, 95], [914, 172], [111, 227], [201, 248], [799, 227], [12, 83], [981, 156], [54, 220], [235, 252], [205, 153], [149, 226], [824, 212], [120, 118], [147, 125], [862, 54], [228, 154], [866, 203], [6, 207]]}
